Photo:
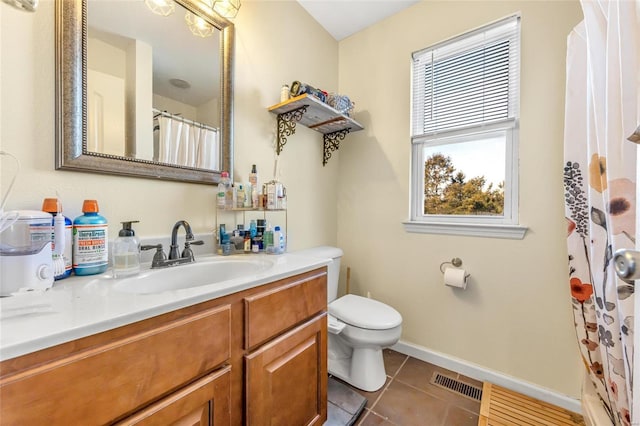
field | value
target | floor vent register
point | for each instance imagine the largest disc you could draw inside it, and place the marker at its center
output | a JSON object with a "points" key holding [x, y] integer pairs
{"points": [[456, 386]]}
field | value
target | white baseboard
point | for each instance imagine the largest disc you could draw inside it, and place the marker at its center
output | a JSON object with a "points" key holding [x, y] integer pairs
{"points": [[485, 375]]}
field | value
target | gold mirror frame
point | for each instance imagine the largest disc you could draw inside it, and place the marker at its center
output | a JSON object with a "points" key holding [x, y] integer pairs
{"points": [[71, 104]]}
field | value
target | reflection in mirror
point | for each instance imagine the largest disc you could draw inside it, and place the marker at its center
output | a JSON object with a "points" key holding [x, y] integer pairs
{"points": [[158, 89], [169, 93]]}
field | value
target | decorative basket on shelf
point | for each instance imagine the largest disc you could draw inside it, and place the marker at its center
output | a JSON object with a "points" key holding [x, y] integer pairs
{"points": [[341, 103]]}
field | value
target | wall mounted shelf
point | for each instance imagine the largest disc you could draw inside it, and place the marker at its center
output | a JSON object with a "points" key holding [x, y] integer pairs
{"points": [[316, 115]]}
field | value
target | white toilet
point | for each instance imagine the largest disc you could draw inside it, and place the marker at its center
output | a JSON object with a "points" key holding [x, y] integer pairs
{"points": [[359, 328]]}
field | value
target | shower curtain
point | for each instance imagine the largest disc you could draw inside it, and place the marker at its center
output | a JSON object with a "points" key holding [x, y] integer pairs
{"points": [[208, 155], [169, 140], [186, 145], [600, 190]]}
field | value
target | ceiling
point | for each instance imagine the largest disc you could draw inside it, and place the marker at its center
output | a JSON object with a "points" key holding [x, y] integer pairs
{"points": [[342, 18], [119, 23], [132, 20]]}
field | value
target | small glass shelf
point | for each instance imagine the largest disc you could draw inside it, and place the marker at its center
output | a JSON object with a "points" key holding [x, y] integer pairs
{"points": [[250, 209]]}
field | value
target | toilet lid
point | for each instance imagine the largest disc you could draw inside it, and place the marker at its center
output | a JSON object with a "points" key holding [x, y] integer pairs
{"points": [[365, 313]]}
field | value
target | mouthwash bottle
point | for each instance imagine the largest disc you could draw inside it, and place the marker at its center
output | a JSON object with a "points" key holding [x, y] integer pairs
{"points": [[90, 241]]}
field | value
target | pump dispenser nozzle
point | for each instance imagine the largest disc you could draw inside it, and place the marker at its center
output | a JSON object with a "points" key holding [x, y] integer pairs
{"points": [[127, 230]]}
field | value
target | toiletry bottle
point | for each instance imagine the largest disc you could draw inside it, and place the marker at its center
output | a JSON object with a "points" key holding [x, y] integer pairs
{"points": [[222, 233], [247, 242], [256, 243], [255, 197], [90, 241], [278, 240], [267, 241], [222, 191], [237, 239], [126, 252], [255, 189], [228, 190], [53, 206], [253, 176], [248, 196], [253, 229], [284, 93], [240, 196]]}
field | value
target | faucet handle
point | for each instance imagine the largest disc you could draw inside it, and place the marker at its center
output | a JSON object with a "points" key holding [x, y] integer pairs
{"points": [[158, 257], [151, 246], [187, 252]]}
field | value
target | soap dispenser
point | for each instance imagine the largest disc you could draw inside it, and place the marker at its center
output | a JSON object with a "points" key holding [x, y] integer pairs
{"points": [[126, 252]]}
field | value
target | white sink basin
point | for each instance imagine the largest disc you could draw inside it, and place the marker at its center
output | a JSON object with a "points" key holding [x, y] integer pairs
{"points": [[191, 275]]}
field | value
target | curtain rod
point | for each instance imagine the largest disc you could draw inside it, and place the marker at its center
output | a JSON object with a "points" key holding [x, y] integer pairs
{"points": [[184, 120]]}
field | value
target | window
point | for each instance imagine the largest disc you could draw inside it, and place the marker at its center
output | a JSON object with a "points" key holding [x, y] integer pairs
{"points": [[464, 134]]}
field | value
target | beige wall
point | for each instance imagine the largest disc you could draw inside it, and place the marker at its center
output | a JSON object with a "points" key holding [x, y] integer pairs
{"points": [[515, 316], [268, 55]]}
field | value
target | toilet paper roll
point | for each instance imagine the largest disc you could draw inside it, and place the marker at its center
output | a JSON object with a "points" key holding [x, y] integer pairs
{"points": [[454, 277]]}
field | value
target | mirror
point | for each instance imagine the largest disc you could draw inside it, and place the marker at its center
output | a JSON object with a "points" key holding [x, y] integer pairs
{"points": [[121, 89]]}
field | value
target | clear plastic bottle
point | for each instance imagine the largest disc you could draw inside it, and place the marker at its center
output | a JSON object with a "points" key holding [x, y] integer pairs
{"points": [[90, 241], [248, 196], [255, 199], [228, 190], [267, 242], [126, 252], [240, 196], [221, 194]]}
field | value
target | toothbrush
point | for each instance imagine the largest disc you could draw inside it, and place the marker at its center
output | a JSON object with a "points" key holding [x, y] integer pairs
{"points": [[58, 243]]}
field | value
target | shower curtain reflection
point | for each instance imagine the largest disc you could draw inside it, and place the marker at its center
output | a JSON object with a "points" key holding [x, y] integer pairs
{"points": [[185, 143]]}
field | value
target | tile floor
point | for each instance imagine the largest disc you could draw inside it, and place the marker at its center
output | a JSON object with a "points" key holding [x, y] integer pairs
{"points": [[409, 399]]}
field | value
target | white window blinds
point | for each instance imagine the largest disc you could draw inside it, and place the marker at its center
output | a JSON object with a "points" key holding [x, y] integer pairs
{"points": [[468, 81]]}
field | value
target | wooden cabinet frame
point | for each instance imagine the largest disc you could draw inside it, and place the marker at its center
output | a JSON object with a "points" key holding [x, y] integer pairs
{"points": [[119, 375]]}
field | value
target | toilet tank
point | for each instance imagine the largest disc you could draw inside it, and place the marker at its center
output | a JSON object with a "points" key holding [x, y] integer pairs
{"points": [[333, 268]]}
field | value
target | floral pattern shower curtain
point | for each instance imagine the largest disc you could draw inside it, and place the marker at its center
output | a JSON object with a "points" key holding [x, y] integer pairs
{"points": [[600, 190]]}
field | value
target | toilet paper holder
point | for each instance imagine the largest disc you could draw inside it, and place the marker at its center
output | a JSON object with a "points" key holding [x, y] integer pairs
{"points": [[457, 262]]}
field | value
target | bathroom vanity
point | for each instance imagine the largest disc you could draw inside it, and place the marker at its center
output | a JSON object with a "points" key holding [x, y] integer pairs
{"points": [[253, 351]]}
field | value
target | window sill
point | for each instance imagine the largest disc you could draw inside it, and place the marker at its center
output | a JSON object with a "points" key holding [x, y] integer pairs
{"points": [[514, 232]]}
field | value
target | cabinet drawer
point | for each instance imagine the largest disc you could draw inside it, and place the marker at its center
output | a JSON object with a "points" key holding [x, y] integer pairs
{"points": [[100, 384], [204, 402], [269, 313]]}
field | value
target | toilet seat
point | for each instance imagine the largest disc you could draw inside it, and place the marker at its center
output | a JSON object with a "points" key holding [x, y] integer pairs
{"points": [[365, 313], [334, 325]]}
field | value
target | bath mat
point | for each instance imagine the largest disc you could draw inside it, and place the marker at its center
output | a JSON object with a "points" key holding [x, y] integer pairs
{"points": [[345, 404], [501, 406]]}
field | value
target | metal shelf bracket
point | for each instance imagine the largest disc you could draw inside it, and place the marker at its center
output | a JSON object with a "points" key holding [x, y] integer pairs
{"points": [[332, 143], [287, 125]]}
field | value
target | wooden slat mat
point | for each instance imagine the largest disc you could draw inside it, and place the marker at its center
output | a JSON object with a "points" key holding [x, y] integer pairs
{"points": [[502, 407]]}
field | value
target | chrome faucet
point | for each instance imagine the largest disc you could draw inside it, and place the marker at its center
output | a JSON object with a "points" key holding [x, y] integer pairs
{"points": [[175, 258]]}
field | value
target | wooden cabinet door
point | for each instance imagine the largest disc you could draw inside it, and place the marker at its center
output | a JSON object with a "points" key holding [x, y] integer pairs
{"points": [[103, 383], [205, 402], [286, 379]]}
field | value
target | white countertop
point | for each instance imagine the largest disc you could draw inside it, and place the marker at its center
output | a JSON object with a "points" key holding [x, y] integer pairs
{"points": [[77, 307]]}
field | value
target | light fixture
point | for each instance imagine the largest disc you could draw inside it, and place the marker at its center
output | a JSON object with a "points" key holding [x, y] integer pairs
{"points": [[198, 26], [27, 5], [226, 8], [179, 83], [161, 7]]}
